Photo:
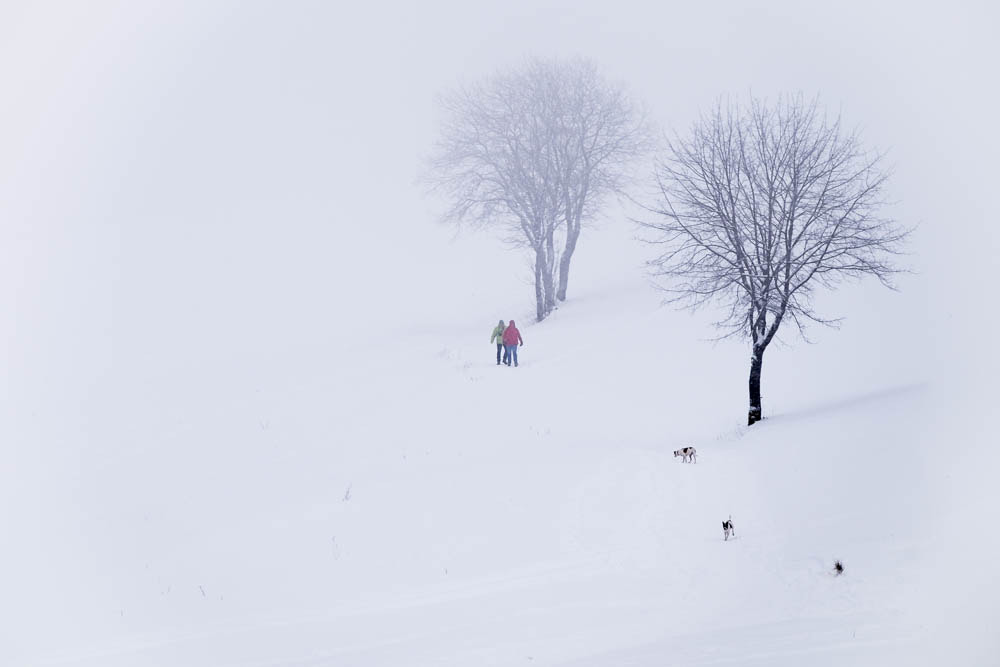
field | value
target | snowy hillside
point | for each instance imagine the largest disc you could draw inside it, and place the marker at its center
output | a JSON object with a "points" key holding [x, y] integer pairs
{"points": [[409, 502], [249, 411]]}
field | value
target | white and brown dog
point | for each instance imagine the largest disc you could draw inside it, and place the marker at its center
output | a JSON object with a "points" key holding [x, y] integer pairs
{"points": [[727, 528], [687, 454]]}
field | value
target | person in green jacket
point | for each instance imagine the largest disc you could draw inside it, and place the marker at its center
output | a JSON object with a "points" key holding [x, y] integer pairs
{"points": [[498, 336]]}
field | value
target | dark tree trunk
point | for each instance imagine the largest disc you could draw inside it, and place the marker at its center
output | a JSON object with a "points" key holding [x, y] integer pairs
{"points": [[756, 362], [571, 237]]}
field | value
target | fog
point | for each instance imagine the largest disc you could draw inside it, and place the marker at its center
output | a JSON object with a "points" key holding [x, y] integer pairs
{"points": [[232, 176], [197, 196]]}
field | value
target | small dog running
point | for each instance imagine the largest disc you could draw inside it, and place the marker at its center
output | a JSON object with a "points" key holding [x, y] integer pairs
{"points": [[727, 528], [687, 454]]}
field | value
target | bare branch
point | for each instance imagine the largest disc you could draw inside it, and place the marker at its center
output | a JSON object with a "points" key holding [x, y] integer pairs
{"points": [[760, 204], [534, 153]]}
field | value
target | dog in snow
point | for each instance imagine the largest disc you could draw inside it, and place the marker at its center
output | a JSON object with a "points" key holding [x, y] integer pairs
{"points": [[727, 528], [687, 454]]}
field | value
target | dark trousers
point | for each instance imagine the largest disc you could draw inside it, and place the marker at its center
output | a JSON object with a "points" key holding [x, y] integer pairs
{"points": [[499, 350], [510, 353]]}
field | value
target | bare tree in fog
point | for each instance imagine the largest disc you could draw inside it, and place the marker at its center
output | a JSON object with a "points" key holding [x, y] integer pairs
{"points": [[535, 151], [760, 206]]}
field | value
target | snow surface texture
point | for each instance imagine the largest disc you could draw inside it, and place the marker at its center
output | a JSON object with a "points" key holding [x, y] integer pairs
{"points": [[417, 504]]}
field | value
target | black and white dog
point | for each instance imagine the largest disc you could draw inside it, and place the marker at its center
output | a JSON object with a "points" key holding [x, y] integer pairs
{"points": [[727, 527], [687, 454]]}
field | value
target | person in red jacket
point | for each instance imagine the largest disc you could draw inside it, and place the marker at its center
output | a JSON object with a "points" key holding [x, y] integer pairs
{"points": [[511, 339]]}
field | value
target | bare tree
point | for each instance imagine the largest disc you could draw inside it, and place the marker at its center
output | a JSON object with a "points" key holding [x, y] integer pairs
{"points": [[761, 205], [535, 152]]}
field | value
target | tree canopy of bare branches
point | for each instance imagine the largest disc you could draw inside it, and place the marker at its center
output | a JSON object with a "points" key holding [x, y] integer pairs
{"points": [[760, 206], [535, 152]]}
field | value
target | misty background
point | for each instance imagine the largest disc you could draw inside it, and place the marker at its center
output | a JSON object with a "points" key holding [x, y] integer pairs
{"points": [[212, 186], [200, 202]]}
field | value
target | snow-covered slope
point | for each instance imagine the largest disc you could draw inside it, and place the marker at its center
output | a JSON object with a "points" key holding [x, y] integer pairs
{"points": [[402, 500], [249, 414]]}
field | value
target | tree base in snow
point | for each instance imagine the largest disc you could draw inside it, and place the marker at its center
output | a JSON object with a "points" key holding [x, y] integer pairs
{"points": [[753, 416]]}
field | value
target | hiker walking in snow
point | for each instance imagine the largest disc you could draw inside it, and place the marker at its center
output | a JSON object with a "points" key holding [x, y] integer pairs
{"points": [[498, 337], [511, 339]]}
